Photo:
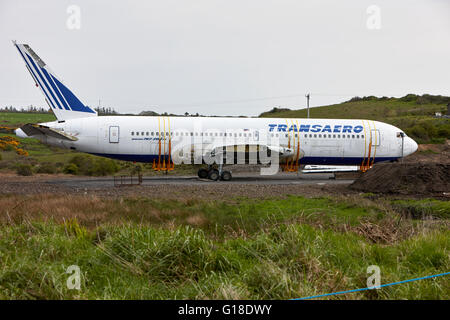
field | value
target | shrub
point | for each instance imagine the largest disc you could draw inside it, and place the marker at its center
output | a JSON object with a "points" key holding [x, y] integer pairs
{"points": [[70, 169], [409, 98], [103, 167], [24, 170], [417, 132], [442, 132], [93, 166], [47, 167]]}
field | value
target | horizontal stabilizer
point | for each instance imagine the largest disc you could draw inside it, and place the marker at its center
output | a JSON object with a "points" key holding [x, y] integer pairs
{"points": [[36, 129]]}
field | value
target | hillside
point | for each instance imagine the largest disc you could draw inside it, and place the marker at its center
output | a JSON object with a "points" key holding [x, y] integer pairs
{"points": [[412, 113]]}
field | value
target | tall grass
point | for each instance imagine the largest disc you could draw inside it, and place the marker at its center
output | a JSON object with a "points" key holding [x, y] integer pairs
{"points": [[296, 247]]}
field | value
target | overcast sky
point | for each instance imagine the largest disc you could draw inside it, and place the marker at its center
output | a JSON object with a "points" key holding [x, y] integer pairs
{"points": [[227, 57]]}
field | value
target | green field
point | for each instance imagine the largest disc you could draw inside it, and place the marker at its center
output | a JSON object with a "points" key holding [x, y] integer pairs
{"points": [[16, 119], [136, 248]]}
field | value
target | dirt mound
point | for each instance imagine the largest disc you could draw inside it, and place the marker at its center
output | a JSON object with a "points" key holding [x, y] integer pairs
{"points": [[405, 178]]}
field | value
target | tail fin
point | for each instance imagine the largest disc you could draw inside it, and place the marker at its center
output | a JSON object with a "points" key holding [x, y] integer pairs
{"points": [[64, 104]]}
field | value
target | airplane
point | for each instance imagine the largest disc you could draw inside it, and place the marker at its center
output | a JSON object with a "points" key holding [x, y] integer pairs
{"points": [[212, 141]]}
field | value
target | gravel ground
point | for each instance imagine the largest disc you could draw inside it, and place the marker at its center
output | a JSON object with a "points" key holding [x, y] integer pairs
{"points": [[38, 184]]}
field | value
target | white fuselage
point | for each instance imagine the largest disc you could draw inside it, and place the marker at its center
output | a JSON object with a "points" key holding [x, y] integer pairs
{"points": [[317, 141]]}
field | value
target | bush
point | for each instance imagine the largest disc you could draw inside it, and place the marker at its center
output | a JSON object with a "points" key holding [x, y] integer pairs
{"points": [[409, 98], [103, 167], [47, 167], [71, 169], [93, 166], [24, 170], [418, 132], [444, 132]]}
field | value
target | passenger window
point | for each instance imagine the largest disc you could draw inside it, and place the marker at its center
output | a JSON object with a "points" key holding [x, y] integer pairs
{"points": [[137, 133], [320, 136], [334, 136], [132, 133], [353, 136], [315, 135]]}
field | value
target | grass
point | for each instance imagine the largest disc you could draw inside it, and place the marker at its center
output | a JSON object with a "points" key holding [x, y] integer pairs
{"points": [[17, 119], [136, 248]]}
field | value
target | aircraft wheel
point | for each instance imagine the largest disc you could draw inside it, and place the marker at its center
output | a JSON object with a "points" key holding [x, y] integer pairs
{"points": [[226, 176], [213, 174], [202, 173]]}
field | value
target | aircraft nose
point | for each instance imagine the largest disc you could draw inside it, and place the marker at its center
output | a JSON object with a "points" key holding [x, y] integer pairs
{"points": [[410, 146]]}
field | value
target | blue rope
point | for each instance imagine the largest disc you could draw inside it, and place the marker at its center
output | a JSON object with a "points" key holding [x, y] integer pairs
{"points": [[371, 288]]}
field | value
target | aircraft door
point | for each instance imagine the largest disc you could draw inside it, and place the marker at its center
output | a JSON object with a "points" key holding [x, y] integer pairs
{"points": [[114, 134], [375, 138], [256, 135]]}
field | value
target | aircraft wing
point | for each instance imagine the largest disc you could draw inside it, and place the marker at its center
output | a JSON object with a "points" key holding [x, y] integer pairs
{"points": [[37, 129], [282, 151], [222, 148]]}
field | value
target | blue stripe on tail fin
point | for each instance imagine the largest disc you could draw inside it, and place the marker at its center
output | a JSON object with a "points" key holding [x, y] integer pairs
{"points": [[74, 103], [63, 102]]}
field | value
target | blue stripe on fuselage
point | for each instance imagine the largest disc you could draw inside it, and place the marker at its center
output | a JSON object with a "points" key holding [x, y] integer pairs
{"points": [[148, 158]]}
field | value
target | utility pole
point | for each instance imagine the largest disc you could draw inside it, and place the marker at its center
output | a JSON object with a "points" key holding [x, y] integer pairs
{"points": [[307, 103]]}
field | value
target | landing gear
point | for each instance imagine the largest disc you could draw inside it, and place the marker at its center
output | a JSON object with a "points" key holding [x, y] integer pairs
{"points": [[203, 173], [214, 174], [226, 176]]}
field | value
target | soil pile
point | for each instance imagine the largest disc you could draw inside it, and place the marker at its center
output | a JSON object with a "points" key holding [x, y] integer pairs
{"points": [[405, 178]]}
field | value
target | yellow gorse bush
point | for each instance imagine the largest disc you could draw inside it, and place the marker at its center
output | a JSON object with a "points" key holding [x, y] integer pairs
{"points": [[11, 143]]}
